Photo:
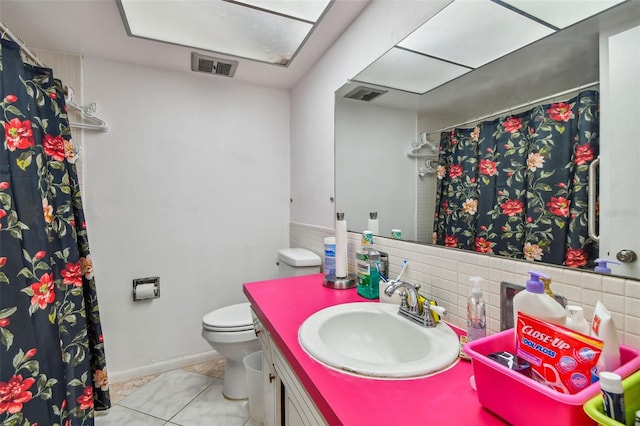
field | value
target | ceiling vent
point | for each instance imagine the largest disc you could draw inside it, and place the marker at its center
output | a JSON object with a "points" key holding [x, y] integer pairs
{"points": [[366, 94], [211, 65]]}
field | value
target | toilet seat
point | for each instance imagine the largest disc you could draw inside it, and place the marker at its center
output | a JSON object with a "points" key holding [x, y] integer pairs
{"points": [[233, 318]]}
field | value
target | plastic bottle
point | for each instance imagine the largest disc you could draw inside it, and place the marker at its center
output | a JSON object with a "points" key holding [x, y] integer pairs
{"points": [[368, 282], [534, 302], [613, 396], [547, 287], [576, 320], [476, 313], [603, 328], [372, 223], [329, 266]]}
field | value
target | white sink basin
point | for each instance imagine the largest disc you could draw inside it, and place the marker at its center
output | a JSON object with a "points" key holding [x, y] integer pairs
{"points": [[371, 339]]}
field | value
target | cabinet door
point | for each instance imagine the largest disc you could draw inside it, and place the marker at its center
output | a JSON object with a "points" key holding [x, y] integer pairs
{"points": [[281, 388], [298, 406], [291, 415], [270, 386]]}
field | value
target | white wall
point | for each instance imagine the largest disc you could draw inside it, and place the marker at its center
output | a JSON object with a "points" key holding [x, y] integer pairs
{"points": [[381, 25], [191, 184], [372, 171]]}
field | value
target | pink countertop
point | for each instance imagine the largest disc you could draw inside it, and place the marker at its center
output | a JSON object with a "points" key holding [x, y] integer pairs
{"points": [[444, 399]]}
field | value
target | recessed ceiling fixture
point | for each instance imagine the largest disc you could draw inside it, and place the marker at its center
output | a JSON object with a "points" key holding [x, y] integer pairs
{"points": [[262, 30], [468, 34]]}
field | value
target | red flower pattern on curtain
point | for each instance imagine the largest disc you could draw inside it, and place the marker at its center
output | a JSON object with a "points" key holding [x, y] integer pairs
{"points": [[52, 362], [526, 177]]}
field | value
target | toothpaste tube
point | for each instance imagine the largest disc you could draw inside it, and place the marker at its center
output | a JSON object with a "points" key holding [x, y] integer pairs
{"points": [[560, 358]]}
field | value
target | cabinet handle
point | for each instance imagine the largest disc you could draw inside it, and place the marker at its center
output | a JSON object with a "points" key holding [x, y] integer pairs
{"points": [[271, 378]]}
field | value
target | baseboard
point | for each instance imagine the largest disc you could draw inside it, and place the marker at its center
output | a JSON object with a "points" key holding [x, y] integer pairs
{"points": [[161, 367]]}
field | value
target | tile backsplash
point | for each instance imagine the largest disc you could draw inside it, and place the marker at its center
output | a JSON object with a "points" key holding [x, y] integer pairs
{"points": [[444, 275]]}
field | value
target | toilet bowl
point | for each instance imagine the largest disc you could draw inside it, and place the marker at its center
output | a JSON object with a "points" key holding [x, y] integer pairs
{"points": [[230, 332]]}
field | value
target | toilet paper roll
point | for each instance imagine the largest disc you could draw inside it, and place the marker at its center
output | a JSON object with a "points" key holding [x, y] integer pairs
{"points": [[341, 246], [144, 291], [374, 226]]}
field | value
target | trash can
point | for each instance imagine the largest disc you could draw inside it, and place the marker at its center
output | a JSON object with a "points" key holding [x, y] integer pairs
{"points": [[253, 376]]}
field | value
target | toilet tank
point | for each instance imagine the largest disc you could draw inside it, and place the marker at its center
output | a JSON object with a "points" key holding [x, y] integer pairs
{"points": [[297, 261]]}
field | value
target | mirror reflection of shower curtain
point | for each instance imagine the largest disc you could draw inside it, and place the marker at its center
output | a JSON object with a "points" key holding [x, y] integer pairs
{"points": [[52, 361], [518, 185]]}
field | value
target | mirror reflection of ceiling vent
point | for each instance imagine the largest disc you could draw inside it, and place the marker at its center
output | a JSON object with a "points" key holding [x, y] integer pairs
{"points": [[211, 65], [363, 93]]}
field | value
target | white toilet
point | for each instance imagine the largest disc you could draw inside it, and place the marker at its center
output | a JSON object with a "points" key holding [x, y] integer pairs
{"points": [[229, 330]]}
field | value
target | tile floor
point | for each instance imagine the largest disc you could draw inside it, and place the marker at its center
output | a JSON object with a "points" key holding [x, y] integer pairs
{"points": [[191, 396]]}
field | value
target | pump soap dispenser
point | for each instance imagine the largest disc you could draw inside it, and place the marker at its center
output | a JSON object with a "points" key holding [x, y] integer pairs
{"points": [[476, 312], [603, 266], [534, 302]]}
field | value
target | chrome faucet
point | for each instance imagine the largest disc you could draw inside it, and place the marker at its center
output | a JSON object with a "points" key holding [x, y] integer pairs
{"points": [[410, 308], [412, 292]]}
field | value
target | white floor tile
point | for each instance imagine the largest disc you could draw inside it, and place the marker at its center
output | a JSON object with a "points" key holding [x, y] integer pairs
{"points": [[168, 393], [212, 408], [118, 416]]}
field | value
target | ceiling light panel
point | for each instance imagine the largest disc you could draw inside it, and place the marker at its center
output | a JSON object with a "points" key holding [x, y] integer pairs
{"points": [[403, 70], [217, 26], [562, 13], [474, 33], [309, 10]]}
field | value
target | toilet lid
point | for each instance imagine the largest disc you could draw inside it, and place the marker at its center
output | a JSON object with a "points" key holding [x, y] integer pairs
{"points": [[230, 318]]}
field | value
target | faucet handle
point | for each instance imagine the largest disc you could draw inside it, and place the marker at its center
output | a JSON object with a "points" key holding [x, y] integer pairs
{"points": [[405, 297], [417, 286], [405, 303], [440, 310]]}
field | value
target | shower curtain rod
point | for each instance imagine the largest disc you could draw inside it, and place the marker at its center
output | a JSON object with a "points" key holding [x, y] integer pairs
{"points": [[23, 47], [84, 111], [504, 111]]}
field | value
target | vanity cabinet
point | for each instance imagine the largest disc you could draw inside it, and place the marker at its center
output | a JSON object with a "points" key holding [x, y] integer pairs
{"points": [[285, 401]]}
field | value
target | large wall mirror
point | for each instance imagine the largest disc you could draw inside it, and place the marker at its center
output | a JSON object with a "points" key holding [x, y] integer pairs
{"points": [[386, 113]]}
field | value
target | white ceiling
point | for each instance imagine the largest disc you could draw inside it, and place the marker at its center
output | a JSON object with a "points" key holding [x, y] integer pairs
{"points": [[564, 60], [94, 28]]}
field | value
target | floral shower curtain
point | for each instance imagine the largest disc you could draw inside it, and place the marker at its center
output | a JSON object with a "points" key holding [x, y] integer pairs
{"points": [[52, 363], [518, 185]]}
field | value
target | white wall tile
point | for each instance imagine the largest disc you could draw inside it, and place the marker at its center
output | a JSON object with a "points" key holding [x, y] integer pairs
{"points": [[591, 281], [613, 302], [445, 273], [613, 285]]}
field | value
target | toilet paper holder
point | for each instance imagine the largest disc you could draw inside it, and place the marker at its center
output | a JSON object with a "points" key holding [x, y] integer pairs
{"points": [[146, 288]]}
